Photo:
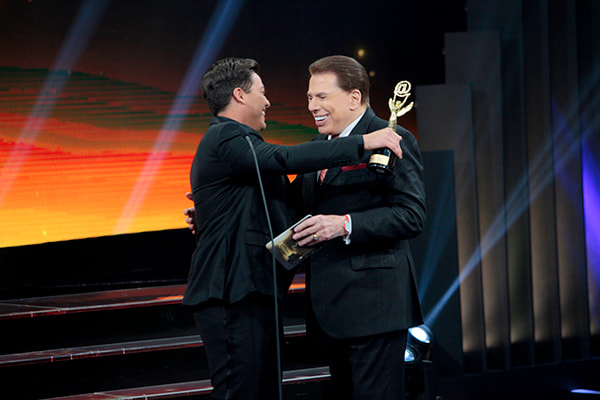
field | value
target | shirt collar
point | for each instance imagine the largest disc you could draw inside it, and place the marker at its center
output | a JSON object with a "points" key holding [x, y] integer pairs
{"points": [[348, 129]]}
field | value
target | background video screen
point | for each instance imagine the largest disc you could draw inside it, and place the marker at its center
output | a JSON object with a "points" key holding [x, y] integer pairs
{"points": [[100, 108]]}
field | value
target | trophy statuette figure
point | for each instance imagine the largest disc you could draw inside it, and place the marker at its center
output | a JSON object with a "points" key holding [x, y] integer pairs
{"points": [[382, 160]]}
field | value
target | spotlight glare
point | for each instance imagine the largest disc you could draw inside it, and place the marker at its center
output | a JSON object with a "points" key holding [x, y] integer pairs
{"points": [[583, 391], [420, 340], [410, 355], [421, 333]]}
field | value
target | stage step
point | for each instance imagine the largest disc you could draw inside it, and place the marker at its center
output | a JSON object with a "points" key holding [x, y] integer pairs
{"points": [[103, 301], [111, 316], [114, 349], [89, 302], [194, 388], [109, 341]]}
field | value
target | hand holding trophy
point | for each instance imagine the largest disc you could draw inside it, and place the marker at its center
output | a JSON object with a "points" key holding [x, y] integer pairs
{"points": [[382, 160]]}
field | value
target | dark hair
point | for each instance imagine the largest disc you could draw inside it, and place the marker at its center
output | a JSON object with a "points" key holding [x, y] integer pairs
{"points": [[349, 72], [224, 76]]}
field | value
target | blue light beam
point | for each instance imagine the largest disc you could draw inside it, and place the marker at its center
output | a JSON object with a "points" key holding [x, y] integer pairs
{"points": [[218, 29], [83, 27], [540, 174]]}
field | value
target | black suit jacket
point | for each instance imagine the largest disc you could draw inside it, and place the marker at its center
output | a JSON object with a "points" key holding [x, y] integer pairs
{"points": [[230, 260], [368, 287]]}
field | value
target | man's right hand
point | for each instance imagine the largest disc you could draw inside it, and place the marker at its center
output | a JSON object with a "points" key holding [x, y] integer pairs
{"points": [[385, 137], [190, 214]]}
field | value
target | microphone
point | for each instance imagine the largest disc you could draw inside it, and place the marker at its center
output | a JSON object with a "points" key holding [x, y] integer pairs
{"points": [[275, 291]]}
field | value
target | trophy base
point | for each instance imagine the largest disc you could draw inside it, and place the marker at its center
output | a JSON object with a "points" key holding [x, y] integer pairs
{"points": [[382, 163], [380, 169]]}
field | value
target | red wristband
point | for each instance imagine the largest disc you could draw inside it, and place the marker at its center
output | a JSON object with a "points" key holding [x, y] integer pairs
{"points": [[346, 224]]}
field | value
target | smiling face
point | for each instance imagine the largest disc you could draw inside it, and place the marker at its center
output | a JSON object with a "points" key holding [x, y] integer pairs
{"points": [[332, 107], [257, 103]]}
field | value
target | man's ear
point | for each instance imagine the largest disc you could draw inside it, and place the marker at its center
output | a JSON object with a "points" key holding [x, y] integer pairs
{"points": [[238, 94], [355, 99]]}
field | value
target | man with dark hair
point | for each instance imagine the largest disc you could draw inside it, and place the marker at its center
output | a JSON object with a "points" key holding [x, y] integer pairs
{"points": [[218, 83], [362, 287], [230, 285]]}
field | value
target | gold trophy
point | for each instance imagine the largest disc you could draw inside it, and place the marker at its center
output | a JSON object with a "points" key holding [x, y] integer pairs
{"points": [[382, 160]]}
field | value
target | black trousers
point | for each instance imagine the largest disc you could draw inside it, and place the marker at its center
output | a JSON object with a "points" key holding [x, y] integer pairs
{"points": [[241, 348], [367, 368]]}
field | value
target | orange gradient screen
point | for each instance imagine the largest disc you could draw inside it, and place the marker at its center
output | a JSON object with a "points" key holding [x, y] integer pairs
{"points": [[91, 157]]}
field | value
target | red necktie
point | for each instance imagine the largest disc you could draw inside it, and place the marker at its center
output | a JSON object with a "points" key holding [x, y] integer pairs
{"points": [[322, 175]]}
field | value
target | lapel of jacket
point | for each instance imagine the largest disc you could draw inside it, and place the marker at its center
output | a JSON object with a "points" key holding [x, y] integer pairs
{"points": [[310, 185], [360, 129]]}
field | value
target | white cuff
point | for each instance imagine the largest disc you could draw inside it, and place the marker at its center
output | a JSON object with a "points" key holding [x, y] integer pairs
{"points": [[347, 229]]}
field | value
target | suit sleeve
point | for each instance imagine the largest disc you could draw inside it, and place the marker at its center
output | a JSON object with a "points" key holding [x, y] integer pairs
{"points": [[403, 213], [236, 154]]}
